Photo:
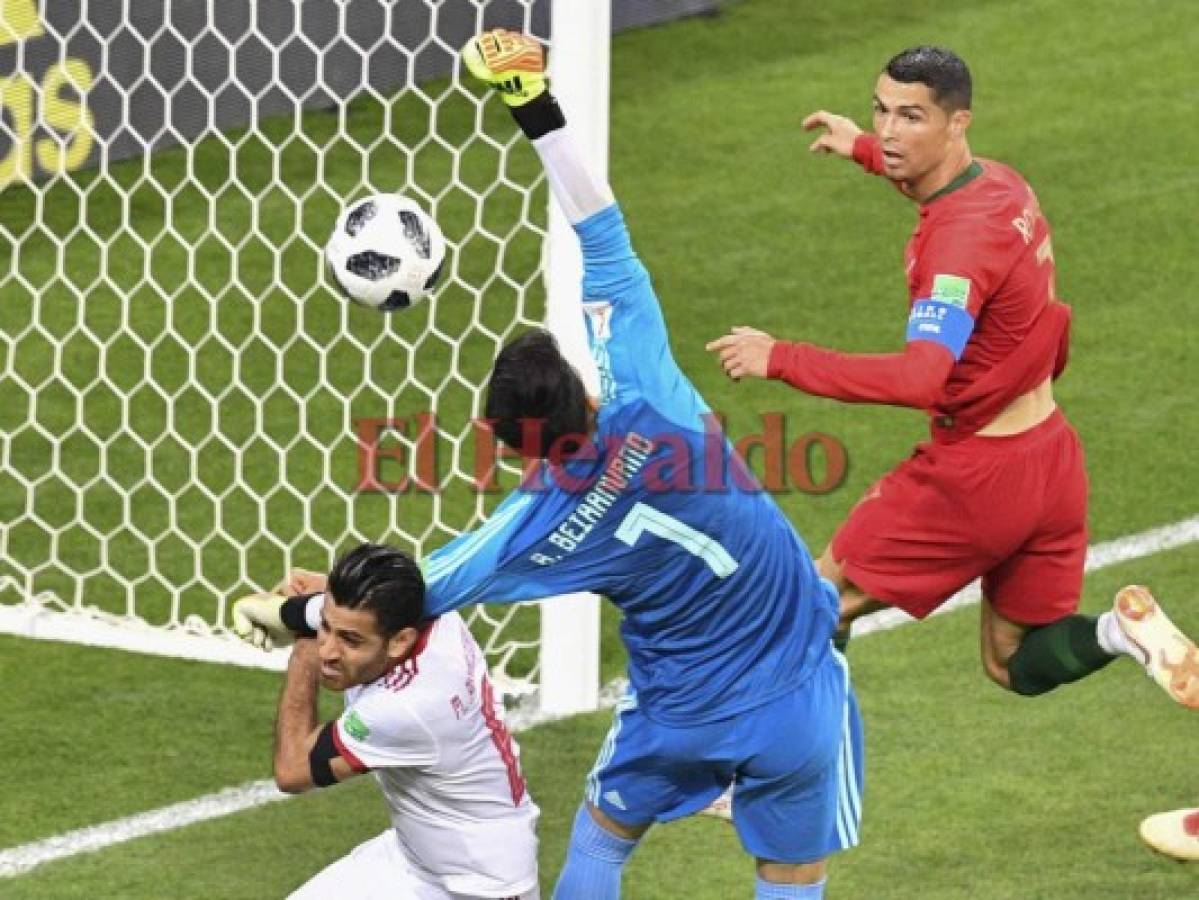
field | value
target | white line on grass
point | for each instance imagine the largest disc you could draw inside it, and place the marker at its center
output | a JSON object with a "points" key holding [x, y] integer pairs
{"points": [[18, 860], [21, 859]]}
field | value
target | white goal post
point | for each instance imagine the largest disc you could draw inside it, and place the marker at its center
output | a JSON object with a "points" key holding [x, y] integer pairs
{"points": [[187, 408], [579, 72]]}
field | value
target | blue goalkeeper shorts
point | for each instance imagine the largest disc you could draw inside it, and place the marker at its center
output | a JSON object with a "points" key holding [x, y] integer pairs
{"points": [[795, 765]]}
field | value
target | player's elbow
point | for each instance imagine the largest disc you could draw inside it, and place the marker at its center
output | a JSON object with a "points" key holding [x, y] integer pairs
{"points": [[918, 391], [926, 369], [292, 779], [290, 785], [925, 394]]}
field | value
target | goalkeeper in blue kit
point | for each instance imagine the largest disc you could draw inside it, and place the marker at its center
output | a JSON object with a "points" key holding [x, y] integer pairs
{"points": [[733, 678]]}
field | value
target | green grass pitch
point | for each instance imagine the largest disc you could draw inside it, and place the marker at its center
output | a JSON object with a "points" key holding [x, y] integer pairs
{"points": [[971, 793]]}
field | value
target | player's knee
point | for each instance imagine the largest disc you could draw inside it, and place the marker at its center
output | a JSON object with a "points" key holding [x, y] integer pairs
{"points": [[828, 568], [1001, 641], [812, 874], [855, 603], [595, 857], [997, 670], [610, 825]]}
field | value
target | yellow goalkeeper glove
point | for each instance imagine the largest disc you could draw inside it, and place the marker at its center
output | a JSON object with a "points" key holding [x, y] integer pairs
{"points": [[512, 63]]}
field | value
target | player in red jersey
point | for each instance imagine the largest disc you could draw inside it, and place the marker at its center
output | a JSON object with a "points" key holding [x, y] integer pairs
{"points": [[1000, 490]]}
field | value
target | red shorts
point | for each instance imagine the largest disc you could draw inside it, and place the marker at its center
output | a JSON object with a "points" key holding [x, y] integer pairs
{"points": [[1011, 509]]}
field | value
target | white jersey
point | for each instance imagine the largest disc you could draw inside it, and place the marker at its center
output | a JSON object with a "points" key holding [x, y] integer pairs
{"points": [[432, 732]]}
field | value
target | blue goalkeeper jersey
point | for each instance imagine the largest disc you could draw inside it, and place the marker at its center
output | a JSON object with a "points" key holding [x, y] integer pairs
{"points": [[723, 609]]}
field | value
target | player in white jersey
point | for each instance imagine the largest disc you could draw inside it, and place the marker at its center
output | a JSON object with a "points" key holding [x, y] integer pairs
{"points": [[420, 713]]}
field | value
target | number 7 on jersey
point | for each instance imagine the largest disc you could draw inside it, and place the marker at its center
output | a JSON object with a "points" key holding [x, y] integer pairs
{"points": [[642, 518]]}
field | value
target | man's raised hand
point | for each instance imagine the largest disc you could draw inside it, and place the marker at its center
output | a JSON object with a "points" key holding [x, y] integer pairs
{"points": [[744, 353], [840, 134], [302, 581]]}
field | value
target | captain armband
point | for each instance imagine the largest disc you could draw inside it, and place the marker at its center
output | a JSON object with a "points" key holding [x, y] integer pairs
{"points": [[944, 323]]}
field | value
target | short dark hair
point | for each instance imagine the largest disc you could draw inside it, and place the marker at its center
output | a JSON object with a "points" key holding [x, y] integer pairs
{"points": [[382, 579], [532, 382], [938, 68]]}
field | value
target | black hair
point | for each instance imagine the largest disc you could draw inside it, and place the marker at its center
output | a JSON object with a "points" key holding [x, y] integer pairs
{"points": [[940, 69], [382, 579], [534, 393]]}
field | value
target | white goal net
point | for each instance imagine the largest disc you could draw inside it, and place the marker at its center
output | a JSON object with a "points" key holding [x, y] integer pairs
{"points": [[186, 410]]}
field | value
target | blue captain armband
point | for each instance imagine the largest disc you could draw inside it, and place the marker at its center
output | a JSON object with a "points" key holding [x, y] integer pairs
{"points": [[942, 323]]}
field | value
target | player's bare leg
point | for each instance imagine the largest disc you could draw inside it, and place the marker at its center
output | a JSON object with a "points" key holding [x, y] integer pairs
{"points": [[855, 602], [812, 873], [1000, 638], [606, 822]]}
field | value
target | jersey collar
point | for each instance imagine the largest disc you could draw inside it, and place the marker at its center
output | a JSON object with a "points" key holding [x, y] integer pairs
{"points": [[422, 638], [966, 176], [409, 662]]}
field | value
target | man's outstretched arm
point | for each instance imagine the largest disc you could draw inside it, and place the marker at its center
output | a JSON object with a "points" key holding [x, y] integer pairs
{"points": [[626, 328], [514, 65], [842, 137], [503, 59], [913, 378]]}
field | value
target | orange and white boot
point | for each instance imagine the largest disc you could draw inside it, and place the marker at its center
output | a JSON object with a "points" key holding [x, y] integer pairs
{"points": [[1168, 655], [1174, 833]]}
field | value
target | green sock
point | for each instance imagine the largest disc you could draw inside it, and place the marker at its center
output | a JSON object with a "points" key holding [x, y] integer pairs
{"points": [[1058, 653]]}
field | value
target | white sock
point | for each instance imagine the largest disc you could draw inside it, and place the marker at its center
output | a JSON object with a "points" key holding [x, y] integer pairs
{"points": [[580, 194], [1113, 640]]}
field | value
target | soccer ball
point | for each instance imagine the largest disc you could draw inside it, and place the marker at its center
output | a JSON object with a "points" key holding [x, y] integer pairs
{"points": [[385, 252]]}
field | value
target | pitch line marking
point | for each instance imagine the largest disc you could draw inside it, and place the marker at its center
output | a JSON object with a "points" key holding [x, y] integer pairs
{"points": [[21, 859]]}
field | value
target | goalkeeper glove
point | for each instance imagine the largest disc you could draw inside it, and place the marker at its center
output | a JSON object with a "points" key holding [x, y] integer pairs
{"points": [[269, 620], [510, 62]]}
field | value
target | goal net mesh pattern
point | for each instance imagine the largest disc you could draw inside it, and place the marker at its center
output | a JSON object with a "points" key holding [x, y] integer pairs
{"points": [[187, 408]]}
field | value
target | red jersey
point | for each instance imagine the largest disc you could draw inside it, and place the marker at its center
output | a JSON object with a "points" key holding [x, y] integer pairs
{"points": [[982, 243], [983, 325]]}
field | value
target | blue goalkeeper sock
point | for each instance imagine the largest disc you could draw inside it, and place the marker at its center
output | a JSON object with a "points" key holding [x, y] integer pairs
{"points": [[593, 862], [768, 890]]}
